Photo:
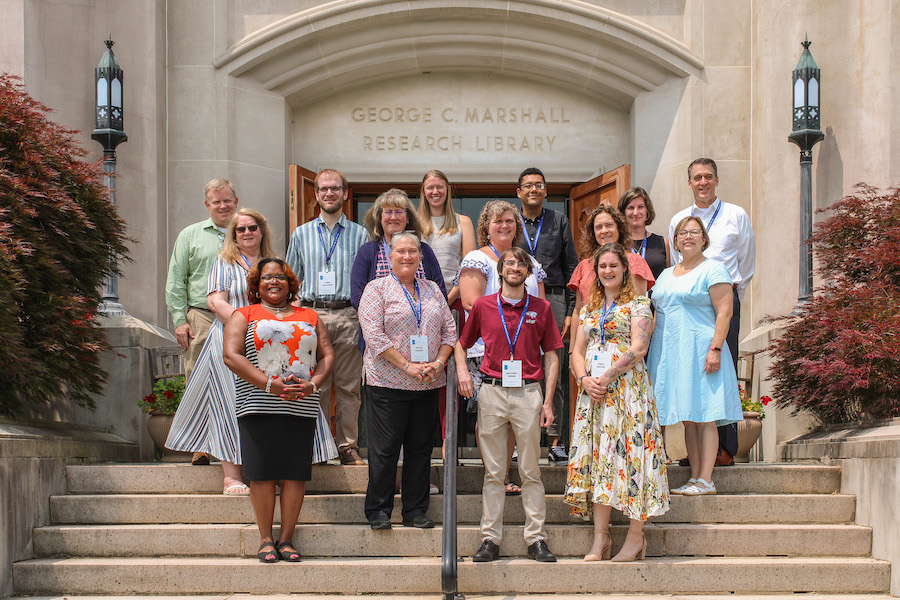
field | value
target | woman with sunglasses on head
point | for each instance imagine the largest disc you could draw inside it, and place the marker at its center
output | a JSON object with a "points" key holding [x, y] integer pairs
{"points": [[205, 420]]}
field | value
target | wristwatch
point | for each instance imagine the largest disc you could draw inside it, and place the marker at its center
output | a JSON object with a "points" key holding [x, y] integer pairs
{"points": [[714, 349]]}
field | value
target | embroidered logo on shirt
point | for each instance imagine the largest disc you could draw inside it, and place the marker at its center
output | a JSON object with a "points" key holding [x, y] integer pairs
{"points": [[531, 317]]}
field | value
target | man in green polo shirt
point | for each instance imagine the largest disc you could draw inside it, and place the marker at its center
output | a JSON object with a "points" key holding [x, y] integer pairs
{"points": [[192, 257]]}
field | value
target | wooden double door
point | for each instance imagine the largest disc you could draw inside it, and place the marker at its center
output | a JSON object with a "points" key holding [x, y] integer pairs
{"points": [[579, 200]]}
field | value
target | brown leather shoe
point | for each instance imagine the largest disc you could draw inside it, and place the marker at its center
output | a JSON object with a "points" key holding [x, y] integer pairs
{"points": [[349, 456], [200, 458]]}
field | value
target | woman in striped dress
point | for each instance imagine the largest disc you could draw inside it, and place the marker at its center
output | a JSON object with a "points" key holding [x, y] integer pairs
{"points": [[281, 355]]}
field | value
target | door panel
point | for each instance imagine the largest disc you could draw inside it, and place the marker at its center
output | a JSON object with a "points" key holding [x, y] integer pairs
{"points": [[583, 198]]}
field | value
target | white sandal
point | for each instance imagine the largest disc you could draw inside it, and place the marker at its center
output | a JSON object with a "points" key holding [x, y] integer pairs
{"points": [[701, 488], [680, 490], [236, 489]]}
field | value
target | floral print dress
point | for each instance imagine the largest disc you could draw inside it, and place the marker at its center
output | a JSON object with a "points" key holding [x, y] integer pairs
{"points": [[617, 456]]}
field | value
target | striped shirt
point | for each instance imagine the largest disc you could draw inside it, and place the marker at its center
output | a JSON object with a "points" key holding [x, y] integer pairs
{"points": [[288, 346], [306, 255], [228, 277]]}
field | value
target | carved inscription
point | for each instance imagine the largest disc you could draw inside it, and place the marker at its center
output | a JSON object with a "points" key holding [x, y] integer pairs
{"points": [[456, 129]]}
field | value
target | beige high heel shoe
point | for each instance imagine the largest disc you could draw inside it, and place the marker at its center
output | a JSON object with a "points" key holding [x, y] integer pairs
{"points": [[605, 551], [622, 557]]}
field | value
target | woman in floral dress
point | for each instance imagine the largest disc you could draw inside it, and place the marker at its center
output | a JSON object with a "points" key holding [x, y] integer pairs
{"points": [[617, 458]]}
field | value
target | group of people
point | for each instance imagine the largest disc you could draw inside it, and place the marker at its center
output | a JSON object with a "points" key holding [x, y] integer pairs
{"points": [[366, 311]]}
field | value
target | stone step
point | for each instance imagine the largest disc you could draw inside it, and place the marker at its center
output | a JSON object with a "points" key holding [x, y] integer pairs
{"points": [[122, 576], [759, 478], [360, 540], [479, 597], [348, 508]]}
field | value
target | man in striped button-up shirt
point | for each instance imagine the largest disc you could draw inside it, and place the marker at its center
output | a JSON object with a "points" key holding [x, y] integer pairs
{"points": [[321, 253]]}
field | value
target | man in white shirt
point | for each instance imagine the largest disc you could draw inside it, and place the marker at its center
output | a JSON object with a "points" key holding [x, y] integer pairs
{"points": [[731, 242]]}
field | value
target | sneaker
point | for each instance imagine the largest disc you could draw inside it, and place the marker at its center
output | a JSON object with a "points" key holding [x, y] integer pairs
{"points": [[433, 489], [557, 454], [700, 488], [680, 490]]}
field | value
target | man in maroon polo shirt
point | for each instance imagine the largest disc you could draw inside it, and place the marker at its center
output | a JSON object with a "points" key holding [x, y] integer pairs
{"points": [[515, 327]]}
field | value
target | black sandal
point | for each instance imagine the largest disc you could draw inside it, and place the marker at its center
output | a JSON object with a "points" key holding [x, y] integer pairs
{"points": [[289, 555], [270, 556]]}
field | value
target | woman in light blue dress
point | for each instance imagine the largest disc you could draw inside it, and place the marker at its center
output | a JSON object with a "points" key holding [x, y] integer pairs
{"points": [[693, 385]]}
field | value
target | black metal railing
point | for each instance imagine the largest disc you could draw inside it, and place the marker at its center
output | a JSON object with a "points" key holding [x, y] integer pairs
{"points": [[449, 556]]}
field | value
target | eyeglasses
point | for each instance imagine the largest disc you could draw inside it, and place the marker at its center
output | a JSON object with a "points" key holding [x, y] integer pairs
{"points": [[271, 277], [250, 228], [393, 213], [689, 232], [335, 189], [527, 186], [515, 263]]}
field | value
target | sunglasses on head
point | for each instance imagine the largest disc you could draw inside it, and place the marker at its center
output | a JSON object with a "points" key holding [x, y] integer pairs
{"points": [[250, 228]]}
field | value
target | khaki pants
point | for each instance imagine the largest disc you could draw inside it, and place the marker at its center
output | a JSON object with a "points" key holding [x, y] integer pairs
{"points": [[500, 409], [343, 329], [200, 321]]}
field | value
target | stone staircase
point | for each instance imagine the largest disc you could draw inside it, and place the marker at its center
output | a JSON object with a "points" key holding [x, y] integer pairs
{"points": [[165, 530]]}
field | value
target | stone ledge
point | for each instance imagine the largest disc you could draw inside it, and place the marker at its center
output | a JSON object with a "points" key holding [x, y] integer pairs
{"points": [[852, 440], [50, 439]]}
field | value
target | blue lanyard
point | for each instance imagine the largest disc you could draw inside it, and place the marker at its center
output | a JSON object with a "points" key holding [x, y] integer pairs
{"points": [[512, 342], [711, 221], [329, 253], [249, 266], [643, 251], [417, 311], [532, 246], [606, 311], [491, 246]]}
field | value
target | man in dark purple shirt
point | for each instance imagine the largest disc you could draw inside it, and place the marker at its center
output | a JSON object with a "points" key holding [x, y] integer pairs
{"points": [[515, 327]]}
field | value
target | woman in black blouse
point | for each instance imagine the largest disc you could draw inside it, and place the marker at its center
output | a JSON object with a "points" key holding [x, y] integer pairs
{"points": [[637, 208]]}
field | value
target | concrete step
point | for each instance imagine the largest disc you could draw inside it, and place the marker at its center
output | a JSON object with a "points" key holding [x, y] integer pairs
{"points": [[348, 508], [122, 576], [759, 478], [359, 540], [476, 597]]}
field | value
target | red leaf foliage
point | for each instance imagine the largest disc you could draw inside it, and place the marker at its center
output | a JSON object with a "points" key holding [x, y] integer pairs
{"points": [[58, 233], [840, 357]]}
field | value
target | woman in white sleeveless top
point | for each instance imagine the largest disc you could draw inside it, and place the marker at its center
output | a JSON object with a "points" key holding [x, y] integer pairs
{"points": [[451, 236]]}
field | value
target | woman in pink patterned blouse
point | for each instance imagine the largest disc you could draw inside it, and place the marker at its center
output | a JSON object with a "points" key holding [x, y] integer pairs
{"points": [[409, 335]]}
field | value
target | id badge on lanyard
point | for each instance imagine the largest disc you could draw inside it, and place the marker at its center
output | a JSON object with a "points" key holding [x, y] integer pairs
{"points": [[418, 348], [512, 373], [601, 360], [327, 283]]}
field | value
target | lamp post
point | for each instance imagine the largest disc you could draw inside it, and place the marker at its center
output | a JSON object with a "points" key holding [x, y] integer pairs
{"points": [[108, 130], [806, 134]]}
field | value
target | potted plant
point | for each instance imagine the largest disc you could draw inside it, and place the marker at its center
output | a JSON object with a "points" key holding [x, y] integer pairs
{"points": [[161, 405], [750, 428]]}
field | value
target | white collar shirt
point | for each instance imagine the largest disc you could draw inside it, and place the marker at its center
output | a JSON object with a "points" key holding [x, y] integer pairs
{"points": [[731, 238]]}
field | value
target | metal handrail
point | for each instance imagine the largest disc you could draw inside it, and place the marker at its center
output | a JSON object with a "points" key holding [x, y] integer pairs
{"points": [[449, 584]]}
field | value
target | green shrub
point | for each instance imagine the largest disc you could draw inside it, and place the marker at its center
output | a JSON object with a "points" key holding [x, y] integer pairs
{"points": [[58, 233]]}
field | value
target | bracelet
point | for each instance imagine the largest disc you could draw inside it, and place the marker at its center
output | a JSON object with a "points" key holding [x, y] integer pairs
{"points": [[407, 366], [315, 387], [269, 385], [443, 364], [580, 378], [714, 349]]}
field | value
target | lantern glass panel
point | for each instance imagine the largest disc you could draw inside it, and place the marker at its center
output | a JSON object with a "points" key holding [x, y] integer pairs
{"points": [[102, 100], [813, 92]]}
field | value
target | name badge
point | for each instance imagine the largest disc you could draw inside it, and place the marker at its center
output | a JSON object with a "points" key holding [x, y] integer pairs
{"points": [[327, 283], [418, 348], [512, 373], [601, 361]]}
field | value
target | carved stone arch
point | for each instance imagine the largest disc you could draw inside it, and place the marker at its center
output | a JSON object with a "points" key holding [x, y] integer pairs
{"points": [[566, 43]]}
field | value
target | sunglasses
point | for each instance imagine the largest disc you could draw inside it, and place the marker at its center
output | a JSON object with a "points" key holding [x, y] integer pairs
{"points": [[250, 228]]}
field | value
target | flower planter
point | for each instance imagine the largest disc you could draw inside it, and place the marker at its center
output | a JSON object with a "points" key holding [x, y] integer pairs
{"points": [[158, 426], [748, 432]]}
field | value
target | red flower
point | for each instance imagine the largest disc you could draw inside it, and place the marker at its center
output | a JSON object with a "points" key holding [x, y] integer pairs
{"points": [[168, 394], [765, 400]]}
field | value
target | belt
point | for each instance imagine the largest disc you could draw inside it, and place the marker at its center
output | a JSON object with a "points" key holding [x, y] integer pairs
{"points": [[554, 290], [206, 310], [495, 381], [332, 305]]}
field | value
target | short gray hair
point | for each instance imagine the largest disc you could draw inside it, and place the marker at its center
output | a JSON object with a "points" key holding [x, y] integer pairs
{"points": [[404, 235]]}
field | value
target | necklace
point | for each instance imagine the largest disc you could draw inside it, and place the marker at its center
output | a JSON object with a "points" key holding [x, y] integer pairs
{"points": [[277, 309]]}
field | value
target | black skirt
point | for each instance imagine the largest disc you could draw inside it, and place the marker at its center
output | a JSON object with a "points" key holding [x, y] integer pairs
{"points": [[275, 447]]}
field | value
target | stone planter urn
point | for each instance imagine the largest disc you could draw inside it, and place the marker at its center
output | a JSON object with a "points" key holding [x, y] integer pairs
{"points": [[748, 432], [158, 426]]}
